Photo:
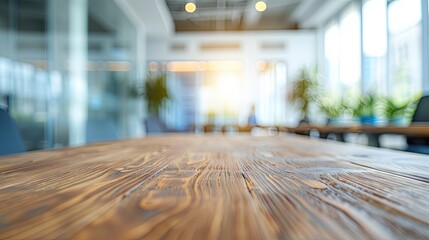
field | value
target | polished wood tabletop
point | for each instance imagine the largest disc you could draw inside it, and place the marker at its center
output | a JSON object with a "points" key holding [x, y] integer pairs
{"points": [[215, 187]]}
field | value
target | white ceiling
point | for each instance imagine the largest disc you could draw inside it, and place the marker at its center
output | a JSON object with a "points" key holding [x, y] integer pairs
{"points": [[164, 17]]}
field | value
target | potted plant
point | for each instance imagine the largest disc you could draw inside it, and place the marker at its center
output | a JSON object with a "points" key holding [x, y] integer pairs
{"points": [[332, 110], [155, 93], [305, 91], [367, 109], [395, 112]]}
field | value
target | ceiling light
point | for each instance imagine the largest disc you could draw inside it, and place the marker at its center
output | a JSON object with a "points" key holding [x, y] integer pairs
{"points": [[190, 7], [260, 6]]}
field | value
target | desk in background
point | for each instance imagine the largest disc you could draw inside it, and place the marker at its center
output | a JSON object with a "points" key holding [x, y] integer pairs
{"points": [[373, 132], [215, 187]]}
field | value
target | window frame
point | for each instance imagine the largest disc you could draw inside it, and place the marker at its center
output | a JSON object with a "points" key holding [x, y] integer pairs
{"points": [[335, 19]]}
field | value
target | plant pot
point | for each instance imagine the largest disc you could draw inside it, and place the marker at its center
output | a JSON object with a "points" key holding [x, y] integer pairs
{"points": [[335, 121], [368, 120], [154, 125], [304, 121], [398, 121]]}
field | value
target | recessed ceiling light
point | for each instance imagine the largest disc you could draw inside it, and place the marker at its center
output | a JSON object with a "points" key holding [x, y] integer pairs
{"points": [[190, 7], [260, 6]]}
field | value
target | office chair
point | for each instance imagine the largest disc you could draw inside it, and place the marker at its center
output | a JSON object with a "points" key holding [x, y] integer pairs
{"points": [[10, 138], [154, 126], [420, 144]]}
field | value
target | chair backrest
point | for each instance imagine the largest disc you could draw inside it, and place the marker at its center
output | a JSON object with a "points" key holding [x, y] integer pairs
{"points": [[100, 130], [10, 138], [422, 110], [420, 115]]}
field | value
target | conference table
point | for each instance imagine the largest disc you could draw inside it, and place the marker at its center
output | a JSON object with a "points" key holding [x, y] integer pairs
{"points": [[373, 132], [215, 186]]}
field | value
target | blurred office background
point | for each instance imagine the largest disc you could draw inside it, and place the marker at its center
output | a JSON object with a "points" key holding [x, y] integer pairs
{"points": [[66, 66]]}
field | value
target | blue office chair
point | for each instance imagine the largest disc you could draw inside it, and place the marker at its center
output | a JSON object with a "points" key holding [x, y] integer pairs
{"points": [[10, 138], [154, 126], [420, 144]]}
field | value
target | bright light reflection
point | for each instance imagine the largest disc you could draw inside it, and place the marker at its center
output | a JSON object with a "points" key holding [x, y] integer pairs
{"points": [[332, 57], [228, 90], [331, 43], [223, 96], [404, 14], [374, 28], [350, 47]]}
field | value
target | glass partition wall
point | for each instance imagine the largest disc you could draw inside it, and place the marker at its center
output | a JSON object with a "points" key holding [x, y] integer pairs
{"points": [[65, 70], [23, 67]]}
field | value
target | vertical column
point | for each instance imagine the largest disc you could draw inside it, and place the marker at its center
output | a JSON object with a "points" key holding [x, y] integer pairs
{"points": [[425, 46], [363, 77], [250, 74], [78, 88], [50, 60], [141, 75], [320, 48], [12, 30], [199, 115], [388, 52]]}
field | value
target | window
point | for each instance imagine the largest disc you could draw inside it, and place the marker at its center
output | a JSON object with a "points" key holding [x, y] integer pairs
{"points": [[215, 92], [342, 55], [374, 36], [350, 52], [270, 105], [393, 51], [405, 48], [332, 60], [204, 92]]}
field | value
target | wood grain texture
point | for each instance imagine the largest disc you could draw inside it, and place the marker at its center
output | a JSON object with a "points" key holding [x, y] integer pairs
{"points": [[215, 187]]}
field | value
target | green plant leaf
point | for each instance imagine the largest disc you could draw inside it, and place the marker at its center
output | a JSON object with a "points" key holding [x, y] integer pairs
{"points": [[305, 90]]}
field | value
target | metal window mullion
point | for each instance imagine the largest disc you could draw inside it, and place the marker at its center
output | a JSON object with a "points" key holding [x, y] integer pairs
{"points": [[425, 46], [363, 59]]}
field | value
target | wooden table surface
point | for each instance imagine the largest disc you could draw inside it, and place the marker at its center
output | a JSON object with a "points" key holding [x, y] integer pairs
{"points": [[215, 187]]}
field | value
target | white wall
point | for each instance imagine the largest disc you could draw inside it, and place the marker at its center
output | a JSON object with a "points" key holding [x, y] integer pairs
{"points": [[300, 49]]}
